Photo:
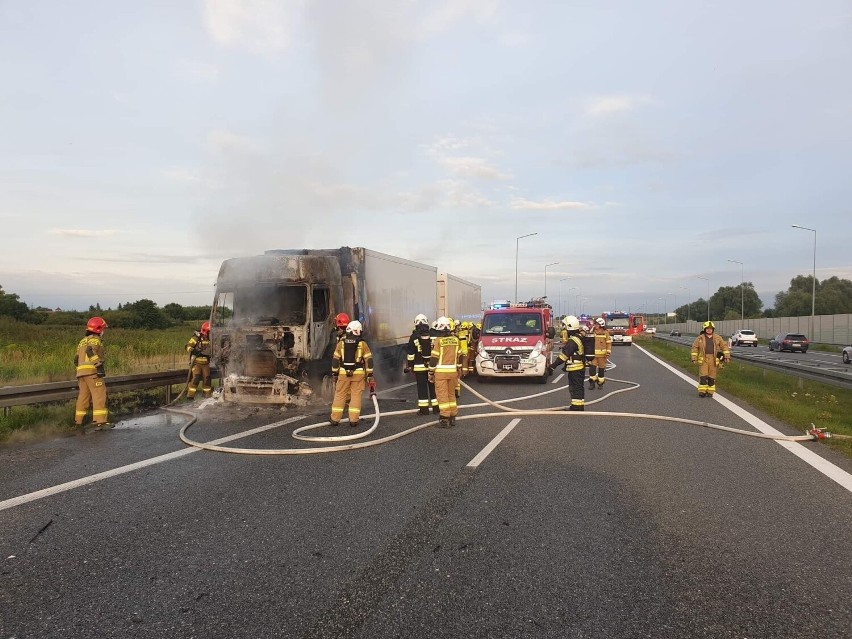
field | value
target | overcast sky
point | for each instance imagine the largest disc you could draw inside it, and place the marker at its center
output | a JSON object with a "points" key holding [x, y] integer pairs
{"points": [[646, 143]]}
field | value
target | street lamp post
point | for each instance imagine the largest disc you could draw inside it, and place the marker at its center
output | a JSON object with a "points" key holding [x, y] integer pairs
{"points": [[674, 307], [688, 304], [706, 279], [517, 239], [559, 302], [813, 289], [545, 276], [742, 289]]}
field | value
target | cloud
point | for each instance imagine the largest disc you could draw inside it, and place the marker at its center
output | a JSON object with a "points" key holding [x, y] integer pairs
{"points": [[473, 167], [609, 104], [223, 142], [83, 232], [548, 205], [196, 70], [451, 12], [261, 26], [182, 174]]}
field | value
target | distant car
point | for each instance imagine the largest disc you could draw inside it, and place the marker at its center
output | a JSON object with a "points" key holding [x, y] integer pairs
{"points": [[789, 342], [675, 333], [651, 329], [847, 355], [744, 337]]}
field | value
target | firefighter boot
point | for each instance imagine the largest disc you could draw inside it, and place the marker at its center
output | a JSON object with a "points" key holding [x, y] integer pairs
{"points": [[333, 423], [591, 383], [354, 424], [424, 410], [444, 422], [436, 410], [579, 407], [453, 420]]}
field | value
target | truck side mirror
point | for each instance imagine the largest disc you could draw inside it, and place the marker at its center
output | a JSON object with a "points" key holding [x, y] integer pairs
{"points": [[551, 332]]}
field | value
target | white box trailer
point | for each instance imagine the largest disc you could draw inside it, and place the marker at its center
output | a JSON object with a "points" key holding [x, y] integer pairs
{"points": [[459, 299], [272, 324]]}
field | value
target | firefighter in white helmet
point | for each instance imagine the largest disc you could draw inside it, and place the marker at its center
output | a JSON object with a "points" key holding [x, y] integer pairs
{"points": [[602, 350], [709, 351], [445, 366], [89, 362], [573, 357], [417, 360], [352, 368]]}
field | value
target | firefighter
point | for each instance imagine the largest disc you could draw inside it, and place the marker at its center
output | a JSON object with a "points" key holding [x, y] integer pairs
{"points": [[199, 351], [473, 345], [573, 356], [588, 340], [710, 352], [602, 350], [89, 362], [444, 368], [352, 368], [417, 359]]}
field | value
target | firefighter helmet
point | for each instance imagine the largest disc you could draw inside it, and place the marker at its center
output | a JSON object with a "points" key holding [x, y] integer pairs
{"points": [[571, 323], [709, 324], [421, 319], [342, 320], [442, 324], [96, 325], [205, 328], [466, 326], [354, 327], [601, 322]]}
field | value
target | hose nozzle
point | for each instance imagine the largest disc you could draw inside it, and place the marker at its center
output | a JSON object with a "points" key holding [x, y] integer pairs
{"points": [[818, 433]]}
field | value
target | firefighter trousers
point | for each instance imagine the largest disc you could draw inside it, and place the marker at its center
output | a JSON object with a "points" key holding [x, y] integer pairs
{"points": [[707, 371], [92, 391], [445, 391], [200, 375], [425, 390], [351, 389], [597, 370], [577, 388]]}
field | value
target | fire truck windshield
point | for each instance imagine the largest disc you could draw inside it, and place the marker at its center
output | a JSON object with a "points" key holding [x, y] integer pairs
{"points": [[512, 324]]}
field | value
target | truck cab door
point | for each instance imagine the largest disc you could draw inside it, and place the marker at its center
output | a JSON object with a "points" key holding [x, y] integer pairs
{"points": [[320, 326]]}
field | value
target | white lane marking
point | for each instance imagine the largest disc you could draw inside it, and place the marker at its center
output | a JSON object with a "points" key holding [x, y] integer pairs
{"points": [[557, 378], [476, 461], [91, 479], [808, 456]]}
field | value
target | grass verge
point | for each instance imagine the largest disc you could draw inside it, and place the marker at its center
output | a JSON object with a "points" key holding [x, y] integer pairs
{"points": [[795, 401]]}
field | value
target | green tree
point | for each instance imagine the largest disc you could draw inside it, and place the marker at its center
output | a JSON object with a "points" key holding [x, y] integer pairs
{"points": [[145, 314], [12, 306], [175, 311]]}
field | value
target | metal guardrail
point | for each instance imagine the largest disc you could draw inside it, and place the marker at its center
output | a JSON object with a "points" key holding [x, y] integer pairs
{"points": [[837, 375], [58, 391]]}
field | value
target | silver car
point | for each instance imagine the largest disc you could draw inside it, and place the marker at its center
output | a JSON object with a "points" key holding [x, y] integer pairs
{"points": [[847, 355]]}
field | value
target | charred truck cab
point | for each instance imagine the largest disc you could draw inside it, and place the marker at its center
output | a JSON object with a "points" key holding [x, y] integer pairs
{"points": [[272, 323], [516, 342]]}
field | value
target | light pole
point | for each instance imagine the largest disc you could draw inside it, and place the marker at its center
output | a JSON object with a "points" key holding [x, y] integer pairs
{"points": [[708, 294], [662, 304], [813, 289], [742, 289], [674, 306], [517, 239], [545, 276], [687, 304], [559, 302]]}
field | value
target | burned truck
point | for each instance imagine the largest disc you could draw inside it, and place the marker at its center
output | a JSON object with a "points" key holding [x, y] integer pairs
{"points": [[272, 323]]}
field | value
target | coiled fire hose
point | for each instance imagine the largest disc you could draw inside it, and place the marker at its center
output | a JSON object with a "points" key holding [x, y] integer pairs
{"points": [[812, 435]]}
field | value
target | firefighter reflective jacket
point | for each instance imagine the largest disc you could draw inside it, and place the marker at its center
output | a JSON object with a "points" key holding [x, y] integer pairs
{"points": [[419, 350], [717, 345], [603, 342], [353, 356], [446, 355], [572, 353], [199, 346], [89, 359]]}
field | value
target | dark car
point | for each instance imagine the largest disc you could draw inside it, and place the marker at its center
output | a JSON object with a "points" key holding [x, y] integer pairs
{"points": [[789, 342], [675, 333]]}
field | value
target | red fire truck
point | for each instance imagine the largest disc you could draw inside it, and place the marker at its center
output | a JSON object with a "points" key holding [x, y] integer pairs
{"points": [[623, 326]]}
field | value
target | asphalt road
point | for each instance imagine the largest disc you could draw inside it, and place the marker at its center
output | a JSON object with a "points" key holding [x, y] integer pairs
{"points": [[572, 526]]}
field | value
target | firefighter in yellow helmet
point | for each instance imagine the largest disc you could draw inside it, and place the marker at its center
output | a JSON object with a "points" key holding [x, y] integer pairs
{"points": [[199, 350], [352, 368], [602, 350], [445, 365], [710, 352], [417, 360], [89, 362]]}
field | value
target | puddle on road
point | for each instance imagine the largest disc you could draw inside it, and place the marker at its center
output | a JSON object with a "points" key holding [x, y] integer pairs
{"points": [[149, 421]]}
